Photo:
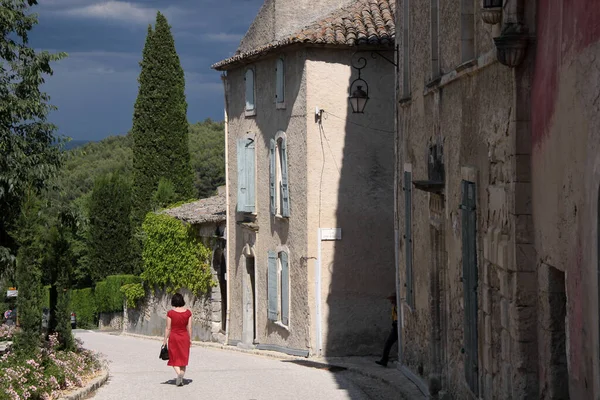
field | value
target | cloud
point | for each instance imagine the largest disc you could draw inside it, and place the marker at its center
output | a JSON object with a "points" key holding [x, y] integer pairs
{"points": [[223, 37], [118, 11]]}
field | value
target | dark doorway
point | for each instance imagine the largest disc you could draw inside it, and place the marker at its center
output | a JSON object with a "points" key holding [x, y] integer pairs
{"points": [[559, 372], [249, 306], [223, 287]]}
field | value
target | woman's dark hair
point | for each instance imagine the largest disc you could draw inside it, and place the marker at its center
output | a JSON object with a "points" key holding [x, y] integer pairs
{"points": [[177, 300]]}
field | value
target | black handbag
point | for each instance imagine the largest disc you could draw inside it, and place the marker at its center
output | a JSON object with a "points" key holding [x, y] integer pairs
{"points": [[164, 352]]}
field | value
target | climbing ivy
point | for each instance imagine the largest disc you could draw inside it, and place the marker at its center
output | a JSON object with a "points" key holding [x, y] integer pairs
{"points": [[174, 257], [133, 292]]}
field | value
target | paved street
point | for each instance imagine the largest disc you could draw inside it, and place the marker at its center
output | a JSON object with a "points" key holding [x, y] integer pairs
{"points": [[137, 373]]}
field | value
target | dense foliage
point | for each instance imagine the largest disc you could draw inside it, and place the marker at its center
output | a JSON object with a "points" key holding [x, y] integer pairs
{"points": [[160, 128], [109, 231], [207, 148], [108, 294], [133, 292], [83, 303], [46, 372], [29, 158], [173, 256]]}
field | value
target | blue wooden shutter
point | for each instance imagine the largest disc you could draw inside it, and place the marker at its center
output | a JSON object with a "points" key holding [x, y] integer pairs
{"points": [[272, 176], [408, 237], [285, 288], [279, 81], [250, 176], [249, 78], [272, 285], [470, 277], [241, 171], [285, 193]]}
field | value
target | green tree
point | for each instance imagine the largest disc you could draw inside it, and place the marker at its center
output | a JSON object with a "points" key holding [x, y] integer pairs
{"points": [[29, 276], [207, 147], [29, 157], [109, 230], [160, 127], [165, 194]]}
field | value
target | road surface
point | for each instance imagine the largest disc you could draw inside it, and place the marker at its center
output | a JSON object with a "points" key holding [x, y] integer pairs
{"points": [[136, 372]]}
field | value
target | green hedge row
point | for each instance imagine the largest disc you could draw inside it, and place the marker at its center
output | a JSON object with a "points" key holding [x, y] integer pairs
{"points": [[83, 305], [108, 295]]}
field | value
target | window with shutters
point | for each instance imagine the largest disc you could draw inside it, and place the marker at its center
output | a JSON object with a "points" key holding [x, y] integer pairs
{"points": [[246, 175], [280, 83], [250, 92], [279, 191], [278, 287]]}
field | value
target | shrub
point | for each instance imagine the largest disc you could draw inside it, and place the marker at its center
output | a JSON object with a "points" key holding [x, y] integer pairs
{"points": [[84, 305], [109, 297], [174, 257], [133, 293]]}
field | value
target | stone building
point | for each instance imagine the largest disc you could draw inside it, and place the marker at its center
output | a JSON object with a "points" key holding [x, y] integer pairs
{"points": [[309, 183], [497, 188], [208, 219]]}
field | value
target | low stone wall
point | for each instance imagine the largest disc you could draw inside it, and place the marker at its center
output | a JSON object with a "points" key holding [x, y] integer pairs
{"points": [[110, 321], [149, 318]]}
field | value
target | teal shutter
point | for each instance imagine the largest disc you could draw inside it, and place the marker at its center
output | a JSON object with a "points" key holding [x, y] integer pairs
{"points": [[272, 287], [241, 171], [285, 193], [249, 78], [279, 81], [246, 175], [272, 176], [285, 288]]}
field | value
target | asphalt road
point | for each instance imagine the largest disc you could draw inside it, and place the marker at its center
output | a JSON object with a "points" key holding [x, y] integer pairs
{"points": [[136, 372]]}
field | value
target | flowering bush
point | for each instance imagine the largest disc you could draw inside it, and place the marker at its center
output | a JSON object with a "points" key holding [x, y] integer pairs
{"points": [[6, 332], [46, 374]]}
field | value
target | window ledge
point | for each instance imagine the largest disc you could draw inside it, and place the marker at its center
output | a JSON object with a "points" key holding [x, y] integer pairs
{"points": [[280, 106], [250, 113], [465, 69], [281, 217], [281, 325], [405, 101]]}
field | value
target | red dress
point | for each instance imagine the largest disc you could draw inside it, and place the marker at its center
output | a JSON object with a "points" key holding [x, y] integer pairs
{"points": [[179, 339]]}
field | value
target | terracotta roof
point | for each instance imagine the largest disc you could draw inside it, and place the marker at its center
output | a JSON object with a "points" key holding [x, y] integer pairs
{"points": [[366, 22], [212, 209]]}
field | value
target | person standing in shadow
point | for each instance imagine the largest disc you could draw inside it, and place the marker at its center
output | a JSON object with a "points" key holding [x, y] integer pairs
{"points": [[393, 336]]}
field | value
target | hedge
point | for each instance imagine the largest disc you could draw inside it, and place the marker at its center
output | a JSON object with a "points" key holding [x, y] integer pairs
{"points": [[84, 306], [109, 297]]}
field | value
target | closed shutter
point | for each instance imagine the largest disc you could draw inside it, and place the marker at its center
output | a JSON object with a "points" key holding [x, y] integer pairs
{"points": [[250, 176], [285, 288], [272, 176], [272, 287], [408, 237], [241, 171], [280, 74], [285, 193]]}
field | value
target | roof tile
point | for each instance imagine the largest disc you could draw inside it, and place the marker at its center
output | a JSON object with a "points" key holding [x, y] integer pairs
{"points": [[364, 22]]}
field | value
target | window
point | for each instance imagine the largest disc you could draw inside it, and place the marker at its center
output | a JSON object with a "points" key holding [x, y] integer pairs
{"points": [[410, 298], [467, 30], [278, 171], [435, 39], [246, 176], [278, 289], [249, 78], [280, 83]]}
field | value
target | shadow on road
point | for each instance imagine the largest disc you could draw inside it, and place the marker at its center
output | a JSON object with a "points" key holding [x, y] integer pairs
{"points": [[312, 364], [172, 382]]}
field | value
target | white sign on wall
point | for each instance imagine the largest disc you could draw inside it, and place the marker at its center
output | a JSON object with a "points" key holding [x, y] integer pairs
{"points": [[331, 233]]}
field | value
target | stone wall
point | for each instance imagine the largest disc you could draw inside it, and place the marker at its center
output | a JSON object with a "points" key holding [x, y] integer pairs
{"points": [[110, 321]]}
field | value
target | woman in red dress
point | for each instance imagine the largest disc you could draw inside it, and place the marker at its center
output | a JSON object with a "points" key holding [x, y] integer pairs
{"points": [[178, 333]]}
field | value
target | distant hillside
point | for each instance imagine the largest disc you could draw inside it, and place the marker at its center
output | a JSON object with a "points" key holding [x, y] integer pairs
{"points": [[73, 144], [114, 154]]}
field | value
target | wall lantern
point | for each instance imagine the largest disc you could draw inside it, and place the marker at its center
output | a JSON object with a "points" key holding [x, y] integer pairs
{"points": [[359, 97], [491, 12], [511, 45]]}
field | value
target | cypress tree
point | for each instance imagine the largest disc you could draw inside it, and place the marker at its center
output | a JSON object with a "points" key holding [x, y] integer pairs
{"points": [[160, 127], [109, 232]]}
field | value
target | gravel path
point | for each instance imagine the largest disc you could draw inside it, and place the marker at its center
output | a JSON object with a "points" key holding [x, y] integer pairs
{"points": [[136, 372]]}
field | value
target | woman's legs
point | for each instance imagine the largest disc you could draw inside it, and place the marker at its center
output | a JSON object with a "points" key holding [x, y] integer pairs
{"points": [[182, 371]]}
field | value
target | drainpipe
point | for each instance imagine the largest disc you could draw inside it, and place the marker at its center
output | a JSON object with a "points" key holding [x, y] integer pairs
{"points": [[227, 230], [318, 295]]}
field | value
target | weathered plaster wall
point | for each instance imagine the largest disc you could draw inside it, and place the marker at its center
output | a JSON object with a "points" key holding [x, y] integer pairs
{"points": [[272, 233], [350, 186], [110, 321], [476, 113], [566, 176]]}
